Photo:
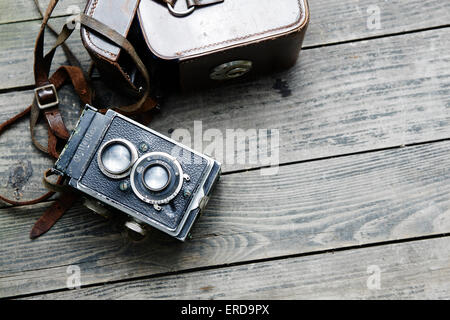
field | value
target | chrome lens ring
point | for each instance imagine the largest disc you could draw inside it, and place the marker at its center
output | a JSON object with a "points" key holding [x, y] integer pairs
{"points": [[122, 163], [166, 193]]}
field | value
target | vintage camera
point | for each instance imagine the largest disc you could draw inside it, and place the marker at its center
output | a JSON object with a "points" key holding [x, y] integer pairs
{"points": [[158, 182]]}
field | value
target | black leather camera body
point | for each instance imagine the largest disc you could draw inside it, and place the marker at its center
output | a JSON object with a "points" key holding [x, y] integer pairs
{"points": [[158, 182]]}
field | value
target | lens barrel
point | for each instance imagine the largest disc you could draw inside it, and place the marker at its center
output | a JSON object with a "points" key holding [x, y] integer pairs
{"points": [[116, 157]]}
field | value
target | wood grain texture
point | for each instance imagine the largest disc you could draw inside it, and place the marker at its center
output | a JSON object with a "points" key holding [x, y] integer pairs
{"points": [[17, 42], [337, 100], [21, 164], [331, 21], [307, 207], [344, 99], [412, 270], [22, 10], [347, 20]]}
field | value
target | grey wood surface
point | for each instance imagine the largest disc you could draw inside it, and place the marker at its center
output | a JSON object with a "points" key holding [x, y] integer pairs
{"points": [[354, 200], [21, 164], [344, 99], [331, 22], [22, 10], [411, 270], [17, 46], [355, 97]]}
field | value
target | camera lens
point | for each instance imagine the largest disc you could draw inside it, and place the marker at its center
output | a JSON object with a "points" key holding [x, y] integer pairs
{"points": [[156, 177], [116, 158]]}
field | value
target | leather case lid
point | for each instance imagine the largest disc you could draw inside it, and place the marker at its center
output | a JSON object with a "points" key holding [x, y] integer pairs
{"points": [[216, 27]]}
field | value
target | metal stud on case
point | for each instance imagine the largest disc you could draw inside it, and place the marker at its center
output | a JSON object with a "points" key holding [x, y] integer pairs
{"points": [[231, 70]]}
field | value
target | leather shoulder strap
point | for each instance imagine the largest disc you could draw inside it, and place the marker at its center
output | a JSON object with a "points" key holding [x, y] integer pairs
{"points": [[117, 17], [46, 103]]}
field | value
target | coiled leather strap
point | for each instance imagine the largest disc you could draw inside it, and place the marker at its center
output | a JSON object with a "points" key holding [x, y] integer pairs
{"points": [[45, 104]]}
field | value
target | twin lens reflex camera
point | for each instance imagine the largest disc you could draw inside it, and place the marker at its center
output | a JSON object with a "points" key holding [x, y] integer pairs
{"points": [[122, 164]]}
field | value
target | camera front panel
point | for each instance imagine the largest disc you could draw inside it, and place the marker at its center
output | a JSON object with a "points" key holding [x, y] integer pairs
{"points": [[151, 176]]}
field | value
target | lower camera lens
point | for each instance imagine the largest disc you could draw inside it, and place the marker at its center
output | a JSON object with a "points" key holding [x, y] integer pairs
{"points": [[116, 158], [156, 177]]}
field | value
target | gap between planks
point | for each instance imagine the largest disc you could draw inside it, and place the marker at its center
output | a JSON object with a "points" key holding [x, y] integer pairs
{"points": [[408, 270], [331, 22], [350, 201], [340, 107]]}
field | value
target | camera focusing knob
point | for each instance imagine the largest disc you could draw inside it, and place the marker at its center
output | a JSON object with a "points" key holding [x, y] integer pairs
{"points": [[203, 203], [157, 208], [97, 207], [135, 227]]}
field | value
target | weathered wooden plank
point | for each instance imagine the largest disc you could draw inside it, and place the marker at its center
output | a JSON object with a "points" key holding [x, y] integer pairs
{"points": [[331, 22], [411, 270], [339, 99], [338, 21], [17, 42], [22, 10], [306, 207], [21, 164], [344, 99]]}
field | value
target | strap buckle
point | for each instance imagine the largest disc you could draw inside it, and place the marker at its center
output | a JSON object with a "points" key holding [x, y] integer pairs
{"points": [[43, 106]]}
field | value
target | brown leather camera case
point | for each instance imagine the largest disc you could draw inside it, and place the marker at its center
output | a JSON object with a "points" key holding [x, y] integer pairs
{"points": [[215, 44]]}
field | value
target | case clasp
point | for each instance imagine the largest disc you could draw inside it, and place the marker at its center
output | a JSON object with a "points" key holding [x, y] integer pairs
{"points": [[191, 5]]}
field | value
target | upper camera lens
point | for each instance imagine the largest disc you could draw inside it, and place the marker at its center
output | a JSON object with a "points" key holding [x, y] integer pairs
{"points": [[156, 177], [116, 158]]}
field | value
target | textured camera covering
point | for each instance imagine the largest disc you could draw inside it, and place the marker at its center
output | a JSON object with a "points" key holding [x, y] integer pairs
{"points": [[171, 214]]}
